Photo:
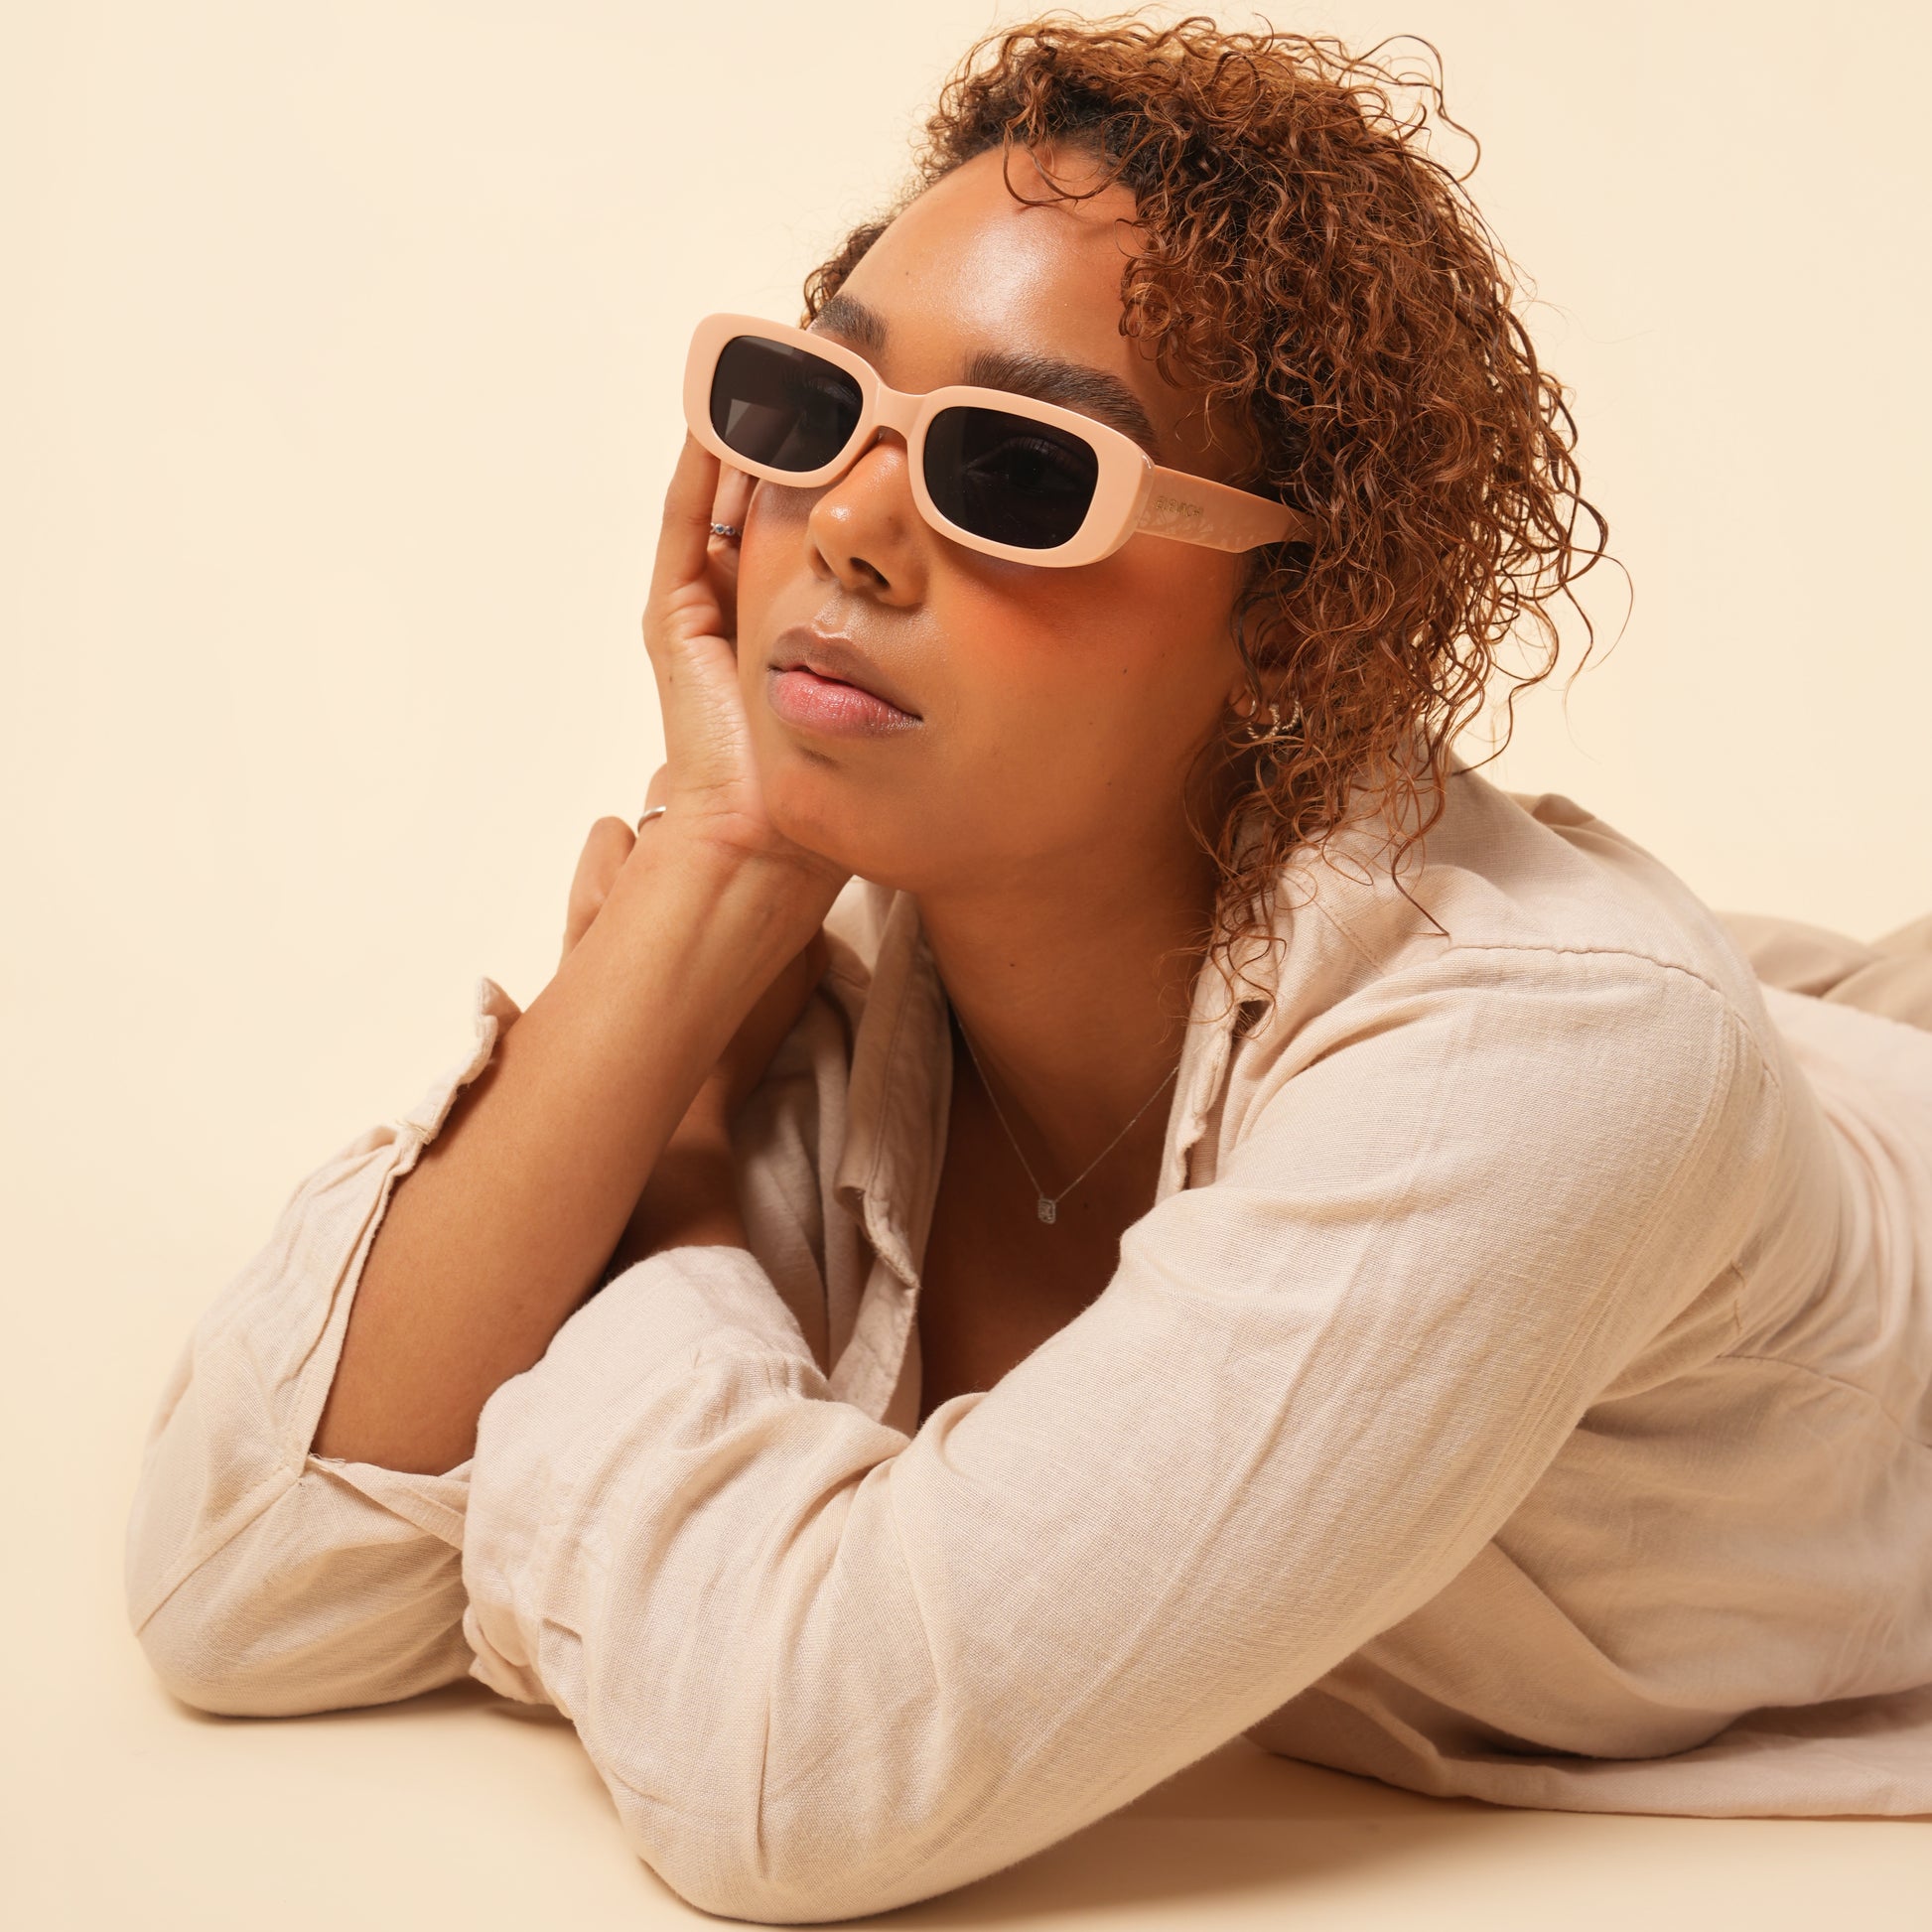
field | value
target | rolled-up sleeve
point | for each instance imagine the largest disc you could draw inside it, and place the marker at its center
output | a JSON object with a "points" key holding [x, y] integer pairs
{"points": [[263, 1579], [825, 1669]]}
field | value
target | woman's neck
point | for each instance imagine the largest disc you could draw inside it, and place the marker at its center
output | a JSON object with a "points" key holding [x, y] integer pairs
{"points": [[1074, 1001]]}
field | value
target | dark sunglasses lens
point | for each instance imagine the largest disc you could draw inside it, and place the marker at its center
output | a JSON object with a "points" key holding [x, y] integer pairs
{"points": [[781, 405], [1011, 478]]}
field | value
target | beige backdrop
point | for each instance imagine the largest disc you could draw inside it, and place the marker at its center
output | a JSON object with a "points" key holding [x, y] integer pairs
{"points": [[340, 346]]}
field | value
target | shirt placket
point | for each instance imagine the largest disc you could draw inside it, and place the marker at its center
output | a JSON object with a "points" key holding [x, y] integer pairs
{"points": [[888, 1173]]}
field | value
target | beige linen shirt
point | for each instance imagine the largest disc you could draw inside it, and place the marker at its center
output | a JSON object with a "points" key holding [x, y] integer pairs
{"points": [[1520, 1386]]}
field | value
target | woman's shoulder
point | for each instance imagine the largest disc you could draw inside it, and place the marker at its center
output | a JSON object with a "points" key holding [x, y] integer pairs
{"points": [[1512, 885], [1530, 959]]}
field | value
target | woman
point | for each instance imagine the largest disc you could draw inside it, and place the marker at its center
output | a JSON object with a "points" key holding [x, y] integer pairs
{"points": [[1084, 1184]]}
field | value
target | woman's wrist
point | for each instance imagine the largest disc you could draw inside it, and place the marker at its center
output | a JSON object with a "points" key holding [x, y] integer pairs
{"points": [[794, 890], [725, 926]]}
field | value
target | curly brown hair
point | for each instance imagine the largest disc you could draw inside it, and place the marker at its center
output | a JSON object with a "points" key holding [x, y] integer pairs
{"points": [[1312, 269]]}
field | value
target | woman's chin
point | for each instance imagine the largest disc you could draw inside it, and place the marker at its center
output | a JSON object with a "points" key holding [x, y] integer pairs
{"points": [[833, 830], [863, 820]]}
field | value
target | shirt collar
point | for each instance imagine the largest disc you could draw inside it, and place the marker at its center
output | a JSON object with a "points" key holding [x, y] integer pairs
{"points": [[898, 1094]]}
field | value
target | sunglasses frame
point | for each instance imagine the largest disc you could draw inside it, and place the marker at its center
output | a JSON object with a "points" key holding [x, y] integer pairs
{"points": [[1133, 494]]}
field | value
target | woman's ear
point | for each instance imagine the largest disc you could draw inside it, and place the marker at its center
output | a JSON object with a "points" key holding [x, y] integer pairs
{"points": [[1275, 710], [1249, 696]]}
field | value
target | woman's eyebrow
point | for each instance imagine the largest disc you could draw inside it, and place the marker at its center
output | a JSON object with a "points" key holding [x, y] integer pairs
{"points": [[1073, 385], [1046, 378], [844, 315]]}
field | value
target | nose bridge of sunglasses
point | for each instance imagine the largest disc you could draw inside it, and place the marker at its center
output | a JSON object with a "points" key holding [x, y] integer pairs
{"points": [[894, 409], [866, 438], [883, 408]]}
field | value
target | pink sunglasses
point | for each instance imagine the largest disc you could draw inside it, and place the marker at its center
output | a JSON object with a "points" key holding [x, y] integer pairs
{"points": [[992, 469]]}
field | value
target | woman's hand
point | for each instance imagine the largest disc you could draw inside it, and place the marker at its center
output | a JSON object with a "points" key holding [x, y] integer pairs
{"points": [[708, 780], [710, 789], [690, 624]]}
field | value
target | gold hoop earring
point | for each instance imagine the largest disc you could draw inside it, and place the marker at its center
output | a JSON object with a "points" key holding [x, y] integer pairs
{"points": [[1276, 733]]}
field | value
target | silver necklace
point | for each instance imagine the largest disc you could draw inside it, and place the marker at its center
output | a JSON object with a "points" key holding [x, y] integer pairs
{"points": [[1048, 1206]]}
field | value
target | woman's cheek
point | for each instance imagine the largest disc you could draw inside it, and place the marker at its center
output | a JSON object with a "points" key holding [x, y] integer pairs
{"points": [[1023, 683], [1041, 712]]}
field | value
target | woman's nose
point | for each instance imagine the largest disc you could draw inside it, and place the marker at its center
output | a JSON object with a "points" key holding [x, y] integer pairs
{"points": [[866, 528]]}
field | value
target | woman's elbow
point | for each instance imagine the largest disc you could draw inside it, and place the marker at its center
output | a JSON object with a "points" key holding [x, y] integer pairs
{"points": [[803, 1864], [271, 1625], [819, 1885], [193, 1647]]}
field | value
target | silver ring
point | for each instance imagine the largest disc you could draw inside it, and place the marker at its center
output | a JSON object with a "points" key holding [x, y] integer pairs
{"points": [[649, 812], [725, 531]]}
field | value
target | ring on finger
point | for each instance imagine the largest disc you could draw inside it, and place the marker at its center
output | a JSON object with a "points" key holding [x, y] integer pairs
{"points": [[725, 531], [649, 812]]}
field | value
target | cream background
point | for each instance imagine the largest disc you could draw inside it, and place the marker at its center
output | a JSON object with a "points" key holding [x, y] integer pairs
{"points": [[340, 346]]}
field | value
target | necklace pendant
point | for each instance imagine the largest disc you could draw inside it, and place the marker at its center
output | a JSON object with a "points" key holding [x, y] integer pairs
{"points": [[1049, 1210]]}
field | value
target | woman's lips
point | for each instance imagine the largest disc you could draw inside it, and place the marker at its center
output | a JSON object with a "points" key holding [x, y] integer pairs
{"points": [[833, 710]]}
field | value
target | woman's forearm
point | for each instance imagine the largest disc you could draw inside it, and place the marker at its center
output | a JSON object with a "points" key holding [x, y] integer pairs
{"points": [[506, 1220]]}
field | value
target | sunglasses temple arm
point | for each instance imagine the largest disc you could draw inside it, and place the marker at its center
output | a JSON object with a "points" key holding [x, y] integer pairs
{"points": [[1195, 511]]}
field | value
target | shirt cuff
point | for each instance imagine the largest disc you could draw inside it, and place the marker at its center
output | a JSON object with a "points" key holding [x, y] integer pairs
{"points": [[491, 1011]]}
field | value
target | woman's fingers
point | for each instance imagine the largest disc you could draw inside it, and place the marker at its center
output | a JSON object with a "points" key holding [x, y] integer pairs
{"points": [[715, 787], [730, 507], [687, 634], [598, 865], [733, 502], [684, 537]]}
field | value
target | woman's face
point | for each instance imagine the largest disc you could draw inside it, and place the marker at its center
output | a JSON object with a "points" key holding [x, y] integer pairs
{"points": [[1057, 710]]}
